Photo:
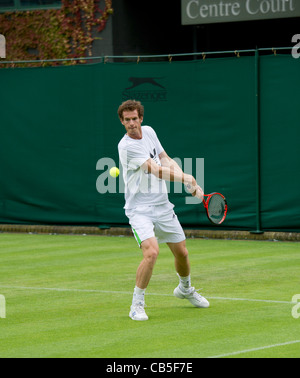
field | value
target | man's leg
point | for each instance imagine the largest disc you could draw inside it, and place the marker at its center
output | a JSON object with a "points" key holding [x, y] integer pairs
{"points": [[143, 275], [150, 253], [181, 255], [182, 265]]}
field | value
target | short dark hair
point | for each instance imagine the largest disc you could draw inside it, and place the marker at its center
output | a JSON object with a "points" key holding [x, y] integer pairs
{"points": [[130, 106]]}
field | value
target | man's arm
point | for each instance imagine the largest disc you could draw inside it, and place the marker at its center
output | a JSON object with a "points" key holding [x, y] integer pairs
{"points": [[170, 171], [166, 161]]}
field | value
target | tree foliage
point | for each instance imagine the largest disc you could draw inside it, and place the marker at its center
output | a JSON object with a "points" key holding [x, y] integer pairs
{"points": [[54, 34]]}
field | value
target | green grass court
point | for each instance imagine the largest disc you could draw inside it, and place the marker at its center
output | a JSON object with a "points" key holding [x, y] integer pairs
{"points": [[69, 296]]}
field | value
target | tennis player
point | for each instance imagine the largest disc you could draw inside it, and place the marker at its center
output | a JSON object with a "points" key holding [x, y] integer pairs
{"points": [[146, 166]]}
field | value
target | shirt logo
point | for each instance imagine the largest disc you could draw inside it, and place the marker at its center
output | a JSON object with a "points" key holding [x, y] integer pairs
{"points": [[155, 157]]}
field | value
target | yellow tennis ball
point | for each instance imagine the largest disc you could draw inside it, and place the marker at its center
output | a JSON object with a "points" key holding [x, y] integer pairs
{"points": [[114, 172]]}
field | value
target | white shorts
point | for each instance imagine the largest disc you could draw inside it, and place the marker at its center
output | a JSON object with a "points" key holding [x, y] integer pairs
{"points": [[158, 221]]}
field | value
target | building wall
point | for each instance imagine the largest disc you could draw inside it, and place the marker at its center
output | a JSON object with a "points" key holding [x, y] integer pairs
{"points": [[155, 28]]}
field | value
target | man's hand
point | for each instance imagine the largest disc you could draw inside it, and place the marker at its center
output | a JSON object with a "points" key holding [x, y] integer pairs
{"points": [[196, 191]]}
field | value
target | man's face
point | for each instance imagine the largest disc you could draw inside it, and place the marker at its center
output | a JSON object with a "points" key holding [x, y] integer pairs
{"points": [[133, 124]]}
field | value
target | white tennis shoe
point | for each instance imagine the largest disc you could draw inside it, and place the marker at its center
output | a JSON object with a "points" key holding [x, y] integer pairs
{"points": [[193, 296], [137, 311]]}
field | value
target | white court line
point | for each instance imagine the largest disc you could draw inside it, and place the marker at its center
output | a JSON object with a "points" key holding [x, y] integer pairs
{"points": [[130, 292], [251, 300], [254, 349], [168, 295]]}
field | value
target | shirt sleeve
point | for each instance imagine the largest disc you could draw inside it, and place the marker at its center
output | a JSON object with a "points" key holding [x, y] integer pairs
{"points": [[133, 157]]}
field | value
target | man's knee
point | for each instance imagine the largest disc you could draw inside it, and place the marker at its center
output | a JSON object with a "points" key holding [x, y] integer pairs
{"points": [[185, 252], [179, 250], [150, 250]]}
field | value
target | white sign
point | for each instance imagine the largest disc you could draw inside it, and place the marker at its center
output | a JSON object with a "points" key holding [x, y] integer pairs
{"points": [[212, 11]]}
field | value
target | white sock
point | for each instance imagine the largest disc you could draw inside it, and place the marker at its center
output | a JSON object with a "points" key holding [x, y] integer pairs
{"points": [[184, 282], [138, 295]]}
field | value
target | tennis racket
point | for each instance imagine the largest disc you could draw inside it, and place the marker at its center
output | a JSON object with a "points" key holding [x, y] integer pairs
{"points": [[216, 207]]}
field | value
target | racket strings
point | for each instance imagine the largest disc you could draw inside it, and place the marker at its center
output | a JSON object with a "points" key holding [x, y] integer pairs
{"points": [[216, 208]]}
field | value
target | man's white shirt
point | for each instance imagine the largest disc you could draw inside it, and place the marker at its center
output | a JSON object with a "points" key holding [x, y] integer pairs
{"points": [[141, 187]]}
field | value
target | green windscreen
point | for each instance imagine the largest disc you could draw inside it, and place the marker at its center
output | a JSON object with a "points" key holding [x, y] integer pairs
{"points": [[231, 122]]}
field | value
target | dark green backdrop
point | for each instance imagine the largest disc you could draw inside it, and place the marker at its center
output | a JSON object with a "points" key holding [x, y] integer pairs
{"points": [[241, 115]]}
